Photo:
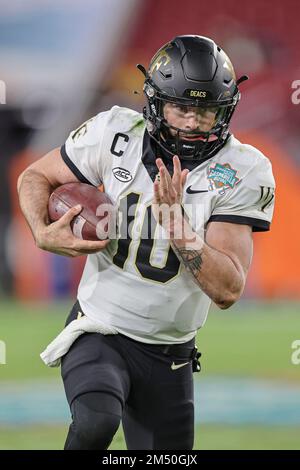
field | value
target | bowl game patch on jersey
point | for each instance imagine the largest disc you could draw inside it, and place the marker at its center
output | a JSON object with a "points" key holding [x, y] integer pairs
{"points": [[222, 177]]}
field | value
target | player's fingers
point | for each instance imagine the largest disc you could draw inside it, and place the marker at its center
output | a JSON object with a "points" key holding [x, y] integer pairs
{"points": [[163, 183], [64, 252], [87, 252], [184, 174], [177, 173], [88, 245], [69, 215], [156, 195], [160, 164], [72, 253], [77, 252], [166, 185]]}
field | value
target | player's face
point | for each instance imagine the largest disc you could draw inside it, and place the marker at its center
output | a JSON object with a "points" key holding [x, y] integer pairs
{"points": [[190, 119]]}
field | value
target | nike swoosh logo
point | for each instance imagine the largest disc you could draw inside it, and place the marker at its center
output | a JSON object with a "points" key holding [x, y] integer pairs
{"points": [[194, 191], [177, 366]]}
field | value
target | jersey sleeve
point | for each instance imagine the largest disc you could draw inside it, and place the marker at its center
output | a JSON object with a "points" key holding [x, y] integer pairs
{"points": [[251, 201], [82, 150]]}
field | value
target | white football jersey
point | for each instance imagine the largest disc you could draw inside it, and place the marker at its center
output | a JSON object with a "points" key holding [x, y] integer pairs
{"points": [[137, 284]]}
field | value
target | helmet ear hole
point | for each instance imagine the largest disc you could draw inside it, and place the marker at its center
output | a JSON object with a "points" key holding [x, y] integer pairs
{"points": [[227, 80], [166, 75]]}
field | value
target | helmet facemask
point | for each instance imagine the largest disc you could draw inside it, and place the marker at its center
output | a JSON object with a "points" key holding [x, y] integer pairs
{"points": [[189, 144]]}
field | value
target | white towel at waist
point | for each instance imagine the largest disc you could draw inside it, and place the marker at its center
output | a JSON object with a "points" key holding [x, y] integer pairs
{"points": [[62, 343]]}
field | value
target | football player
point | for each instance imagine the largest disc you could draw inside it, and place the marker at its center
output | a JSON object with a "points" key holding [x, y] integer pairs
{"points": [[155, 291]]}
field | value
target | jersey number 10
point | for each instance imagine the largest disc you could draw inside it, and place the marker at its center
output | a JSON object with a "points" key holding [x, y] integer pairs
{"points": [[145, 244]]}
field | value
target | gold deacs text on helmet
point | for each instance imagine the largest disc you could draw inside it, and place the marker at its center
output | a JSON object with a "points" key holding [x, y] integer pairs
{"points": [[197, 94]]}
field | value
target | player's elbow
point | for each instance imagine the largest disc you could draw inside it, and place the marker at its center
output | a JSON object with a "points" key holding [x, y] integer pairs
{"points": [[21, 177], [230, 296], [226, 302]]}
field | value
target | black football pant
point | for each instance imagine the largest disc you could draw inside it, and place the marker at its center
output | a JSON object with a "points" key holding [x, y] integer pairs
{"points": [[109, 379]]}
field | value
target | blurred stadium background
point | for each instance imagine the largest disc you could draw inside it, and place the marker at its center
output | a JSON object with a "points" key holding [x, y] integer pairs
{"points": [[64, 61]]}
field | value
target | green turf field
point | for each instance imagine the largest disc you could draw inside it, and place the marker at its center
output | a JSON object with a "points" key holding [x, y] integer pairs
{"points": [[249, 340], [207, 437]]}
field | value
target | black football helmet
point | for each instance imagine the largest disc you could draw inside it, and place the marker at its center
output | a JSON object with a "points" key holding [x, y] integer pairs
{"points": [[191, 73]]}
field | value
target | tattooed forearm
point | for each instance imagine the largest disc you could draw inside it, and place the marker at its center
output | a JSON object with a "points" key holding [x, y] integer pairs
{"points": [[192, 259], [213, 271]]}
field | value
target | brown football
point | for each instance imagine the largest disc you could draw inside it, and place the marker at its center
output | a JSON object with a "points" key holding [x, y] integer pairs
{"points": [[87, 225]]}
